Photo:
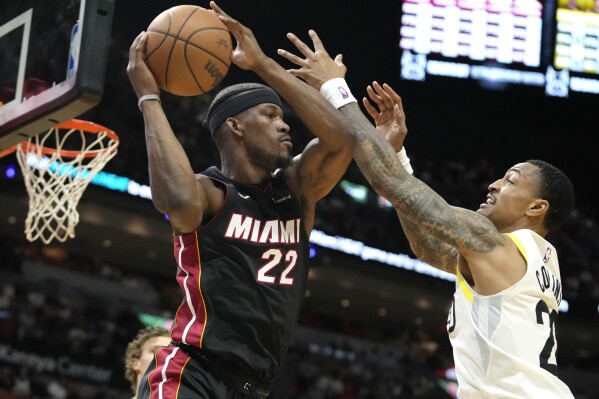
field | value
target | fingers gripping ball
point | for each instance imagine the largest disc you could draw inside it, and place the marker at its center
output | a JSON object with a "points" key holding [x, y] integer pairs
{"points": [[188, 50]]}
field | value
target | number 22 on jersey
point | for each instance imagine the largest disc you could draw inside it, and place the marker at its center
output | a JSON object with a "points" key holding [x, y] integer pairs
{"points": [[274, 258]]}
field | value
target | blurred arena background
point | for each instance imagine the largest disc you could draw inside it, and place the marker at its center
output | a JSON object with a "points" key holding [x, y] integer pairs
{"points": [[373, 321]]}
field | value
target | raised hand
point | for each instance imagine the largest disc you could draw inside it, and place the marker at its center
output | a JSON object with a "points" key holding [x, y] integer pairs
{"points": [[318, 66], [141, 78], [248, 54], [390, 118]]}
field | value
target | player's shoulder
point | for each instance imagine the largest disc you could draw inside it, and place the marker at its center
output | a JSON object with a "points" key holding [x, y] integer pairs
{"points": [[205, 181], [527, 236], [212, 178], [201, 177]]}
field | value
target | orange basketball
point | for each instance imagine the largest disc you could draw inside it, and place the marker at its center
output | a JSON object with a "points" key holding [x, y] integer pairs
{"points": [[188, 50]]}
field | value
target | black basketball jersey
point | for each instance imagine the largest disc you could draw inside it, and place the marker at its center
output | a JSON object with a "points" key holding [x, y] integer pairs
{"points": [[243, 275]]}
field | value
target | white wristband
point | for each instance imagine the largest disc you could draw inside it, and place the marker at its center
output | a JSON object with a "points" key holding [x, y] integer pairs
{"points": [[147, 97], [337, 92], [405, 161]]}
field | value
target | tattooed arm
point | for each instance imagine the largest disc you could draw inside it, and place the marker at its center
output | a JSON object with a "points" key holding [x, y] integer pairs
{"points": [[489, 261], [438, 233], [391, 124], [462, 229]]}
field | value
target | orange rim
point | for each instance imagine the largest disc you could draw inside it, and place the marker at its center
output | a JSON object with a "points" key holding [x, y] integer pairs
{"points": [[8, 151], [76, 124]]}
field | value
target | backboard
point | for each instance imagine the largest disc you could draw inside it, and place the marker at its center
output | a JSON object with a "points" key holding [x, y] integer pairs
{"points": [[53, 56]]}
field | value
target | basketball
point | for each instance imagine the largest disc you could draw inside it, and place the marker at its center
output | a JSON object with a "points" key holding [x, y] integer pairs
{"points": [[188, 50]]}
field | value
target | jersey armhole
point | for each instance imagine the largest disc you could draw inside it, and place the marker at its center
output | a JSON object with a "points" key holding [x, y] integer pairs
{"points": [[464, 286], [221, 185], [519, 245]]}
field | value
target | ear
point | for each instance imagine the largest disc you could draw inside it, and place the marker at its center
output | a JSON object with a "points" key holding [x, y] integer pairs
{"points": [[135, 366], [235, 125], [537, 208]]}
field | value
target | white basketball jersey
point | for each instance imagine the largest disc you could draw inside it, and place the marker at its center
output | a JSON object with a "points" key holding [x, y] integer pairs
{"points": [[504, 344]]}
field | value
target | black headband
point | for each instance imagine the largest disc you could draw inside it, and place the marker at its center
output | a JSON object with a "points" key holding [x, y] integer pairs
{"points": [[240, 102]]}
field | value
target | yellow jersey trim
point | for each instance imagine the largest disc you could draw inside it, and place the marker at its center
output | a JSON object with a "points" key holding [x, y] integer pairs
{"points": [[464, 286], [519, 244]]}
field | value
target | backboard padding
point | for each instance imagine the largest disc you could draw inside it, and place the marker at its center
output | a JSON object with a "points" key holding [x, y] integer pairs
{"points": [[62, 88]]}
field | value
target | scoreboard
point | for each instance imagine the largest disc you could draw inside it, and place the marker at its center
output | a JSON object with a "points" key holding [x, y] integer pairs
{"points": [[577, 41], [498, 42]]}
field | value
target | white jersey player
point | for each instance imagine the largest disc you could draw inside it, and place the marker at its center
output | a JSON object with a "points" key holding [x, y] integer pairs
{"points": [[503, 328], [504, 344]]}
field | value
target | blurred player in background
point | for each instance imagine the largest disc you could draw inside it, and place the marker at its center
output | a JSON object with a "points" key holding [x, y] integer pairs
{"points": [[140, 352], [504, 313], [241, 232]]}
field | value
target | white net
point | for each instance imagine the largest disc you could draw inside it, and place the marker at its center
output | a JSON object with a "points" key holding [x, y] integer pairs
{"points": [[57, 167]]}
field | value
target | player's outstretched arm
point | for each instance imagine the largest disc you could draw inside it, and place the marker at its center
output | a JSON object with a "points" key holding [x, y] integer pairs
{"points": [[390, 122], [492, 261], [416, 202], [465, 230], [175, 189], [325, 160], [316, 69]]}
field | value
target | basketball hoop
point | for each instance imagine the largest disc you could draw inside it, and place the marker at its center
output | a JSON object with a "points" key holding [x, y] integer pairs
{"points": [[57, 166]]}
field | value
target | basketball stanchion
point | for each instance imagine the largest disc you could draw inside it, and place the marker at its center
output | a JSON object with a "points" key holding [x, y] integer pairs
{"points": [[57, 167]]}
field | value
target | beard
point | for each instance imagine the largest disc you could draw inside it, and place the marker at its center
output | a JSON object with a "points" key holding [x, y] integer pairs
{"points": [[283, 161], [269, 161]]}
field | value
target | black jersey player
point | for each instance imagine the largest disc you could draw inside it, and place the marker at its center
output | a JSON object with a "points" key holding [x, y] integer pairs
{"points": [[241, 232]]}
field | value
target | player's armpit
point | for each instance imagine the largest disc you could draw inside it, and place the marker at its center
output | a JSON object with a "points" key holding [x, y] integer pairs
{"points": [[494, 271]]}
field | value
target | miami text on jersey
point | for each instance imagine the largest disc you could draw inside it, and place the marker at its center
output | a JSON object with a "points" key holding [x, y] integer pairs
{"points": [[276, 231]]}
